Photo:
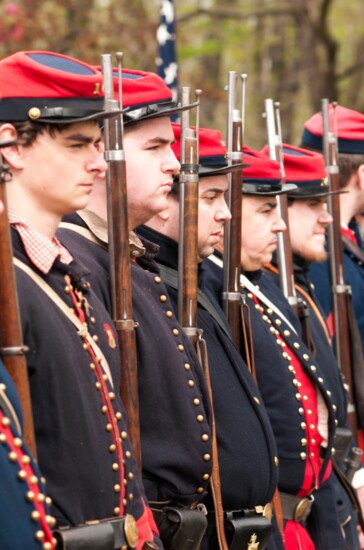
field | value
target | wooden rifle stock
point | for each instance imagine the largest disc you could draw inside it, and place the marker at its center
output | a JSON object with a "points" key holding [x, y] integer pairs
{"points": [[12, 348], [120, 276], [188, 247], [232, 229], [340, 291]]}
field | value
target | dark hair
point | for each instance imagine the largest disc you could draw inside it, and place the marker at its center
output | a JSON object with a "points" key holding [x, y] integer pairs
{"points": [[348, 164]]}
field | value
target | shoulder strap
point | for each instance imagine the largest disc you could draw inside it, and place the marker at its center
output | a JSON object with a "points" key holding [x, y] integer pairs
{"points": [[57, 300], [170, 277], [82, 231], [354, 248]]}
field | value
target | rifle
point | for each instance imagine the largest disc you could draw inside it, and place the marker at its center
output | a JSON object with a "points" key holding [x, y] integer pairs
{"points": [[120, 277], [188, 220], [12, 349], [341, 292], [284, 250], [232, 229]]}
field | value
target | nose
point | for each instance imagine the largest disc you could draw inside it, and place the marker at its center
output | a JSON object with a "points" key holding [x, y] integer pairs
{"points": [[279, 224], [170, 162], [97, 163], [223, 213], [325, 217]]}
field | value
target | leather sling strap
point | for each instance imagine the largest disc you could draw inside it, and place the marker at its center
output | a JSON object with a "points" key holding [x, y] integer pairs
{"points": [[309, 300], [245, 282], [249, 347], [201, 350], [170, 277], [354, 248], [57, 300]]}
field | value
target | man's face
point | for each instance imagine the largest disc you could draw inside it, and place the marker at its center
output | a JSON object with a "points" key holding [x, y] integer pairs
{"points": [[260, 225], [57, 172], [308, 220], [150, 165], [213, 212]]}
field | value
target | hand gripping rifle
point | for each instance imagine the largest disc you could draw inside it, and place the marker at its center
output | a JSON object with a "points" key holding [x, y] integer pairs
{"points": [[232, 229], [341, 292], [12, 349], [120, 278], [284, 250]]}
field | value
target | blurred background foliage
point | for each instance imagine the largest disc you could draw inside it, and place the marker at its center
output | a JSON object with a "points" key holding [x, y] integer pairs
{"points": [[295, 52]]}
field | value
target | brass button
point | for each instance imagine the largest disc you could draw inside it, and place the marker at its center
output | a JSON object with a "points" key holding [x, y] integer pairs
{"points": [[34, 113], [169, 313], [207, 457], [157, 279], [303, 456], [163, 298], [187, 366], [39, 535], [196, 401], [200, 418], [205, 437]]}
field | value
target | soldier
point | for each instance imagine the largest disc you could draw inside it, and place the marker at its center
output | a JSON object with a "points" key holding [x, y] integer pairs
{"points": [[308, 220], [24, 512], [73, 362], [174, 405], [350, 128], [246, 449], [294, 387]]}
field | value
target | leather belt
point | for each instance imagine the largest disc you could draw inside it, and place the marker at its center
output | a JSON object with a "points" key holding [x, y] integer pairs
{"points": [[296, 508]]}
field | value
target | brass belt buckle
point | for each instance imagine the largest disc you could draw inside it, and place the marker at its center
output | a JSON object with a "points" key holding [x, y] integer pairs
{"points": [[130, 531], [266, 511], [303, 509]]}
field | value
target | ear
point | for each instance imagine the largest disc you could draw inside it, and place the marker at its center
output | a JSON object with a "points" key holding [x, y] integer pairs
{"points": [[13, 155], [360, 177]]}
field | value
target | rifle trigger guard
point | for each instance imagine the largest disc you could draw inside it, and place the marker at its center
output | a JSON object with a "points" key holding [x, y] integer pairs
{"points": [[231, 296], [14, 350], [116, 154]]}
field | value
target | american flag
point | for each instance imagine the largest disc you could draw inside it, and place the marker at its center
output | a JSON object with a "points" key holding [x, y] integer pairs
{"points": [[167, 60]]}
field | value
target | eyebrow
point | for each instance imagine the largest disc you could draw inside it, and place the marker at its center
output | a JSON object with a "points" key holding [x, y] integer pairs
{"points": [[82, 138], [214, 190], [158, 139]]}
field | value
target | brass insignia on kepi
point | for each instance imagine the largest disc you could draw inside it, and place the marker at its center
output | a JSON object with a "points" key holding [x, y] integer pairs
{"points": [[34, 113], [130, 531], [253, 544]]}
